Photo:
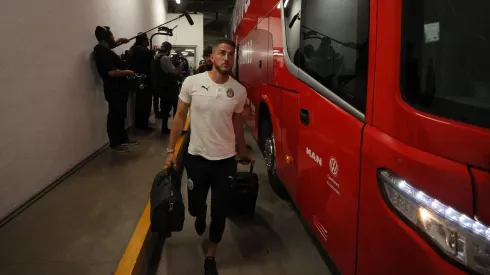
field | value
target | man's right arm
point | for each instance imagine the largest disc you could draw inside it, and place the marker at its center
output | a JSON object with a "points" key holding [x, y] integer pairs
{"points": [[108, 64], [178, 123], [120, 73], [181, 114]]}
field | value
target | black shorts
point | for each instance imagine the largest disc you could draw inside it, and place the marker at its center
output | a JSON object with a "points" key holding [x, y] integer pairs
{"points": [[203, 174]]}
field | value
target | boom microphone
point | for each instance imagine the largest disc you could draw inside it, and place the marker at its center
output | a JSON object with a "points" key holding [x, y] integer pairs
{"points": [[189, 18], [186, 14]]}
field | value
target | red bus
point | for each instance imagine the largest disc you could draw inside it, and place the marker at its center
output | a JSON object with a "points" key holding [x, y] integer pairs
{"points": [[374, 120]]}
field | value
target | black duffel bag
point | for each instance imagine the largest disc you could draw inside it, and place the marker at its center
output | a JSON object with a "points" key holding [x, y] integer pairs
{"points": [[167, 207]]}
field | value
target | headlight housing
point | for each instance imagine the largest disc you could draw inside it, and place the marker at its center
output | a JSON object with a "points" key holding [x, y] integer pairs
{"points": [[460, 237]]}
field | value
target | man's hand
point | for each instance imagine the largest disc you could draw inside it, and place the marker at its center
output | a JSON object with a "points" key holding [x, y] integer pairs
{"points": [[245, 158], [170, 160], [122, 40], [130, 73]]}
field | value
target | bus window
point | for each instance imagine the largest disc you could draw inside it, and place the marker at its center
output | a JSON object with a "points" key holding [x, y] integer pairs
{"points": [[292, 9], [446, 59], [334, 43]]}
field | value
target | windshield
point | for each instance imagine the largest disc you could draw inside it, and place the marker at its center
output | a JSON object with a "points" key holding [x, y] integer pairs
{"points": [[446, 58]]}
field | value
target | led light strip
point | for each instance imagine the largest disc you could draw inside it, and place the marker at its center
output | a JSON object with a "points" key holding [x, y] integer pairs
{"points": [[437, 207]]}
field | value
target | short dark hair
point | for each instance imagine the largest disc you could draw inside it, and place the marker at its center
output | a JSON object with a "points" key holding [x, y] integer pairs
{"points": [[207, 52], [102, 33], [166, 46], [224, 41], [141, 38]]}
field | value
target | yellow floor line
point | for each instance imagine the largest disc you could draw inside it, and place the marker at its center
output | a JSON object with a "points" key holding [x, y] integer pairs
{"points": [[132, 255]]}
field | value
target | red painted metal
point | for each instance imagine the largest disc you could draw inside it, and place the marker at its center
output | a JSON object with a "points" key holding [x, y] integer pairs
{"points": [[345, 209], [482, 194]]}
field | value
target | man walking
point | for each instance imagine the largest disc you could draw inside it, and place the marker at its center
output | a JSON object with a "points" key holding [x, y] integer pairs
{"points": [[113, 72], [216, 102]]}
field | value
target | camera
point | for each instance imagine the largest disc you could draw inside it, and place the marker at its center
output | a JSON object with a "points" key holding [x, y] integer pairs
{"points": [[180, 61]]}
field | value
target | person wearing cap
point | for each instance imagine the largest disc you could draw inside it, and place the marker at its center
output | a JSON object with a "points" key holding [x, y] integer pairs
{"points": [[139, 60], [165, 78], [113, 71], [216, 102]]}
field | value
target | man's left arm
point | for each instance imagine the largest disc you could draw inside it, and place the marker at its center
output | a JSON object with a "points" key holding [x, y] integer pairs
{"points": [[238, 127]]}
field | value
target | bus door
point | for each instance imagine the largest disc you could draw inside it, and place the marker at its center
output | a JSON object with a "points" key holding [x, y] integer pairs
{"points": [[327, 41]]}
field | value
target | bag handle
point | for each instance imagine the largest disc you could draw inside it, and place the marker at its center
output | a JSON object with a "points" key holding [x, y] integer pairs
{"points": [[247, 162]]}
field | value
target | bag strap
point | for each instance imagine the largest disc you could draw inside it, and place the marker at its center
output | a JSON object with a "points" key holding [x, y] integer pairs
{"points": [[251, 163]]}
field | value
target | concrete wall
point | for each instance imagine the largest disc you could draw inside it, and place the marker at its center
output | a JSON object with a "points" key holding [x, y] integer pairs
{"points": [[53, 111], [187, 35]]}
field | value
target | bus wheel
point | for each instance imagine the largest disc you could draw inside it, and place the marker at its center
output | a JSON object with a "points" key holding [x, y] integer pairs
{"points": [[269, 151]]}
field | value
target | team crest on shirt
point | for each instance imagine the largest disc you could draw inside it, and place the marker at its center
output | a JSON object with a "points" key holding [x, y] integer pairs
{"points": [[230, 93], [190, 184]]}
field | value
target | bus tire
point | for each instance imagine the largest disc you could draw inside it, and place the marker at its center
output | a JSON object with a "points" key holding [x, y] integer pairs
{"points": [[267, 144]]}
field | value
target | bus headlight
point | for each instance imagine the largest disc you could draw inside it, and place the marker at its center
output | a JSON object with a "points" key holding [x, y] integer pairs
{"points": [[460, 237]]}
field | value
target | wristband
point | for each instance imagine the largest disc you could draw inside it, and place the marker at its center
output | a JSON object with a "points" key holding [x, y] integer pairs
{"points": [[170, 151]]}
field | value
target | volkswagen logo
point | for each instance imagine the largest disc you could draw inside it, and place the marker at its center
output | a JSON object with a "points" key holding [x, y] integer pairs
{"points": [[334, 166]]}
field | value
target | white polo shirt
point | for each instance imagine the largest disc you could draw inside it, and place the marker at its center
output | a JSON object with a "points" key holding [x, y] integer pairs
{"points": [[211, 107]]}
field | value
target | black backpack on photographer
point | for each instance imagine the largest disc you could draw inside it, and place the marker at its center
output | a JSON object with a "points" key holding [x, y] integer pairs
{"points": [[167, 207]]}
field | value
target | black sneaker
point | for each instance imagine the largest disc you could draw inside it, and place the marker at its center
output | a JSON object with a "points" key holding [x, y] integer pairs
{"points": [[119, 148], [210, 266], [130, 143], [200, 225]]}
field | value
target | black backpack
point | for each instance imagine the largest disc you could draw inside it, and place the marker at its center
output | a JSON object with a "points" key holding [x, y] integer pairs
{"points": [[160, 79], [167, 207]]}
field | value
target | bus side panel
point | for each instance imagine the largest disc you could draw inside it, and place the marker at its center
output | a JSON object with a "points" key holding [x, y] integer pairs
{"points": [[387, 244], [289, 142], [329, 159]]}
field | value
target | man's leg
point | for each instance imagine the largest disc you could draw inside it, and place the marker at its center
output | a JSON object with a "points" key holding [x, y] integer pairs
{"points": [[121, 119], [198, 183], [121, 123], [142, 109], [112, 131], [147, 101], [223, 177], [139, 111], [175, 101], [166, 106], [113, 127]]}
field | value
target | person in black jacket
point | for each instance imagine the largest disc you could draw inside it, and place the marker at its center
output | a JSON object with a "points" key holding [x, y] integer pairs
{"points": [[139, 60], [113, 72], [165, 77]]}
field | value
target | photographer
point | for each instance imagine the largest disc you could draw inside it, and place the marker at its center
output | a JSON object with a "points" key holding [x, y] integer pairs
{"points": [[113, 72], [165, 77], [139, 60]]}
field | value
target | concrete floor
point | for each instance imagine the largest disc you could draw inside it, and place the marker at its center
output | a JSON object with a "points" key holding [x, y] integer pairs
{"points": [[82, 227], [274, 243]]}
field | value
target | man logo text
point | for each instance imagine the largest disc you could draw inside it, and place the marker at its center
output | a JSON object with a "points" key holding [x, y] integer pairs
{"points": [[314, 156]]}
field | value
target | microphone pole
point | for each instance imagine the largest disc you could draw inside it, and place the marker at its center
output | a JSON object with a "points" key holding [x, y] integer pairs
{"points": [[185, 14]]}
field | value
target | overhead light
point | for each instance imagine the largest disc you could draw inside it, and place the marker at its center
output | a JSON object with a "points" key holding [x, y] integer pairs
{"points": [[185, 53], [178, 1], [189, 50]]}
